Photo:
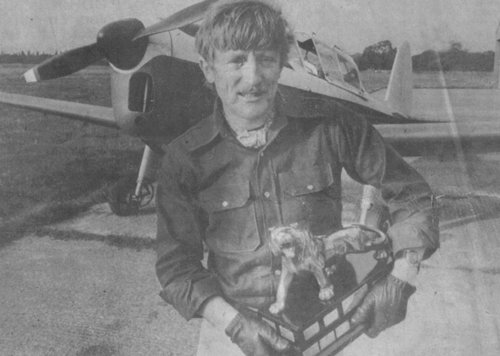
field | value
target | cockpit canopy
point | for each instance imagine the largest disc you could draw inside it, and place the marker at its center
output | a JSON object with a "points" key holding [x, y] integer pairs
{"points": [[322, 61]]}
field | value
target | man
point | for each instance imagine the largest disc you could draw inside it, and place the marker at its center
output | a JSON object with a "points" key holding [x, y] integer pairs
{"points": [[249, 167]]}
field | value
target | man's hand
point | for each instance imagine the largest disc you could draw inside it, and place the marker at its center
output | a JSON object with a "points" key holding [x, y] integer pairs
{"points": [[385, 305], [354, 239], [256, 338]]}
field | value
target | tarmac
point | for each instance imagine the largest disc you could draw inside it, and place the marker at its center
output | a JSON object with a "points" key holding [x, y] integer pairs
{"points": [[87, 286]]}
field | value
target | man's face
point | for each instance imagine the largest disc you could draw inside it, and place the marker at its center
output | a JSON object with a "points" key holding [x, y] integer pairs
{"points": [[246, 82]]}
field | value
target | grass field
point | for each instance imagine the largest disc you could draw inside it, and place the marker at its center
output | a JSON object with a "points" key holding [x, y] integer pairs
{"points": [[374, 80], [53, 167]]}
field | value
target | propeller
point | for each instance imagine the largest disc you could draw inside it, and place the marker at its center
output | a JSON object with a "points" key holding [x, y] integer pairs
{"points": [[123, 43], [180, 19], [115, 42]]}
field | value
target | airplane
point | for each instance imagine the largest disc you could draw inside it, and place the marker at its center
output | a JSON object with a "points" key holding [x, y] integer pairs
{"points": [[157, 91]]}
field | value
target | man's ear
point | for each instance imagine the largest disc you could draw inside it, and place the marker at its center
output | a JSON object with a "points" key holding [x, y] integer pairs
{"points": [[207, 69]]}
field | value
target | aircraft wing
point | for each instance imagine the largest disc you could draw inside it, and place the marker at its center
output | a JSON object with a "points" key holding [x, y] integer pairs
{"points": [[453, 104], [436, 138], [99, 115], [469, 122]]}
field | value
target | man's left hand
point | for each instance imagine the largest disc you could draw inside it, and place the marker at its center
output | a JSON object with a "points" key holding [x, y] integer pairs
{"points": [[385, 305]]}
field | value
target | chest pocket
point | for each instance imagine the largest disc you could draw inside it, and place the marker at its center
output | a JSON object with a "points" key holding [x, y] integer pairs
{"points": [[306, 181], [232, 224], [311, 197]]}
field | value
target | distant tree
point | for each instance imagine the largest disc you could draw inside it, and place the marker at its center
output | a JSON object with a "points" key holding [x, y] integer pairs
{"points": [[23, 57], [356, 57], [29, 57], [456, 57], [377, 56], [426, 61], [456, 47]]}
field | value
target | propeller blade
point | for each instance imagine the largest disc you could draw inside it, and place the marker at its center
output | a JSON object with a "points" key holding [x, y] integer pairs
{"points": [[180, 19], [65, 63], [114, 43]]}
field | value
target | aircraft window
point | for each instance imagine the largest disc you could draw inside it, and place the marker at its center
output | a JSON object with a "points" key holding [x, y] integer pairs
{"points": [[329, 62], [326, 62], [312, 64], [140, 98], [310, 59], [349, 72]]}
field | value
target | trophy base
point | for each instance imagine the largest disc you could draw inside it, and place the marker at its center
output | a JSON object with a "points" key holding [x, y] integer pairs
{"points": [[322, 328]]}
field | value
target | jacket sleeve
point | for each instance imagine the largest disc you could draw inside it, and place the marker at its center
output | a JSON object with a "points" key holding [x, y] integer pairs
{"points": [[186, 283], [369, 160]]}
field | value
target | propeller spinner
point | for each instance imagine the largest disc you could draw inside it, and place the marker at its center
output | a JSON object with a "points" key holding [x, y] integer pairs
{"points": [[115, 42]]}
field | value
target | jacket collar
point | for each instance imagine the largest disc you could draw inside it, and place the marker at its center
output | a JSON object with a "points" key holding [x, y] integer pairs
{"points": [[216, 125]]}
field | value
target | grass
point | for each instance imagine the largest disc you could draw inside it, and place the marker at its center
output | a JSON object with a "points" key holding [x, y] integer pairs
{"points": [[52, 168], [375, 80]]}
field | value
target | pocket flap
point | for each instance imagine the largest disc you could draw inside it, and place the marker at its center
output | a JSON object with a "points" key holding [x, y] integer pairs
{"points": [[221, 197], [309, 180]]}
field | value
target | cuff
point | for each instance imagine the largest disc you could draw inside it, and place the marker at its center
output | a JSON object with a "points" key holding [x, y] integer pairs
{"points": [[233, 327], [189, 297], [417, 231], [404, 271]]}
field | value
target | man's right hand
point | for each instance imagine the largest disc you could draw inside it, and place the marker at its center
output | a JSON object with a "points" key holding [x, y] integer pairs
{"points": [[255, 337]]}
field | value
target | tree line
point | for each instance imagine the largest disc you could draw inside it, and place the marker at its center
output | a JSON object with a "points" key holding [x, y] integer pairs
{"points": [[378, 56], [24, 57], [28, 57]]}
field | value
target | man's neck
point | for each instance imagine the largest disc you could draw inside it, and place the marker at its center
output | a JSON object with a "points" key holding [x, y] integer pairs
{"points": [[240, 125]]}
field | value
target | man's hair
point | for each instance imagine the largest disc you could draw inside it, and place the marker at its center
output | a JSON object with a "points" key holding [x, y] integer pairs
{"points": [[244, 25]]}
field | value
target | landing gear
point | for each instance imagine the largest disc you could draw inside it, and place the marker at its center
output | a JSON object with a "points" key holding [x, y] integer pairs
{"points": [[129, 194], [123, 200]]}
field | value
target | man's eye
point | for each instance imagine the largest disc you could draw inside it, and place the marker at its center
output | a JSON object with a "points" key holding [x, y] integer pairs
{"points": [[238, 60], [268, 61]]}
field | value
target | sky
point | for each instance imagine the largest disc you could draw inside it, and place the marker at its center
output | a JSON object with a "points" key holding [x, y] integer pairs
{"points": [[57, 25]]}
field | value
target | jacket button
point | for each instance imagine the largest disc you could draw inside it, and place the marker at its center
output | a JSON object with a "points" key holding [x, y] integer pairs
{"points": [[310, 187], [267, 194], [225, 204]]}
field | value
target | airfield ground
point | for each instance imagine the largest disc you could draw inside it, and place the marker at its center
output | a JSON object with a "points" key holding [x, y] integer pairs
{"points": [[85, 285]]}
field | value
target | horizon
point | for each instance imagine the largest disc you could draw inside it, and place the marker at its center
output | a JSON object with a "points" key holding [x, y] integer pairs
{"points": [[41, 53]]}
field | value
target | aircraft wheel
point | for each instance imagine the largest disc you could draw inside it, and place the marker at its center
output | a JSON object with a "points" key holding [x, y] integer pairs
{"points": [[122, 199]]}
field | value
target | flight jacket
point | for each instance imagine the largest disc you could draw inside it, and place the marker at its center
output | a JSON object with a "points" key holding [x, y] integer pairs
{"points": [[213, 191]]}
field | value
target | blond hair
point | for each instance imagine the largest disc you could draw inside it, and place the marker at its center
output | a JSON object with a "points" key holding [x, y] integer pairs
{"points": [[244, 25]]}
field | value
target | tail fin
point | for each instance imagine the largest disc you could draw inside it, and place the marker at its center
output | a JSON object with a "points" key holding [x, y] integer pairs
{"points": [[399, 90], [496, 70]]}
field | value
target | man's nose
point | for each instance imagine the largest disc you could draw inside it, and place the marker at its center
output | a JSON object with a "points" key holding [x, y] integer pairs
{"points": [[252, 71]]}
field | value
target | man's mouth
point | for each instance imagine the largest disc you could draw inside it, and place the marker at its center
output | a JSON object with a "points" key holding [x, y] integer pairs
{"points": [[252, 95]]}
